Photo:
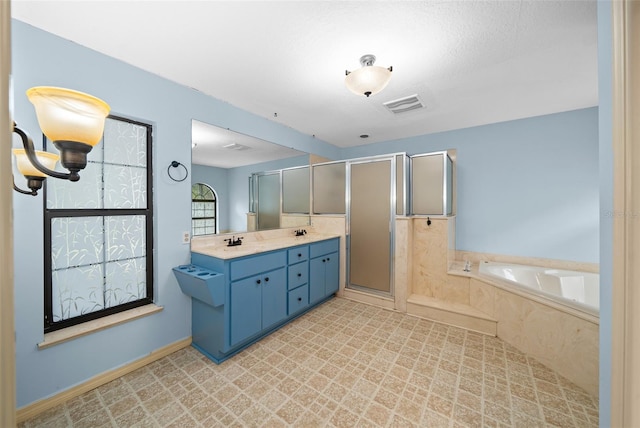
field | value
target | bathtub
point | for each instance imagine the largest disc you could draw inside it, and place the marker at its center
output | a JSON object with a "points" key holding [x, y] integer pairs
{"points": [[578, 290]]}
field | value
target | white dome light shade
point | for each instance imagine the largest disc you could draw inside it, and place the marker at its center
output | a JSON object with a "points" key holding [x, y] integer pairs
{"points": [[27, 169], [368, 80]]}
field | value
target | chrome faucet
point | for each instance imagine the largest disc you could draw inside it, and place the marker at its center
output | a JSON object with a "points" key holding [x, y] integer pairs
{"points": [[233, 241], [467, 266]]}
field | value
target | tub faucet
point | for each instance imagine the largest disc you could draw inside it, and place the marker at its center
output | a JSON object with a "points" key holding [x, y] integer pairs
{"points": [[467, 266]]}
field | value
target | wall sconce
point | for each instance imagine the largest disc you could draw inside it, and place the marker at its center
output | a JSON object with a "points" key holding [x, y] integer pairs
{"points": [[74, 121], [368, 80]]}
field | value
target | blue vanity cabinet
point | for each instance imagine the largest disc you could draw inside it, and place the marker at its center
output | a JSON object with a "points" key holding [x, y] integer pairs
{"points": [[324, 269], [258, 293]]}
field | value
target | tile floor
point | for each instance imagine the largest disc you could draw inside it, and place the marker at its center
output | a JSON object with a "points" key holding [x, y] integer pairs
{"points": [[343, 364]]}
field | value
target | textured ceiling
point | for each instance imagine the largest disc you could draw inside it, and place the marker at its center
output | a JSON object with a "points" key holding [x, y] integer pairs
{"points": [[471, 62]]}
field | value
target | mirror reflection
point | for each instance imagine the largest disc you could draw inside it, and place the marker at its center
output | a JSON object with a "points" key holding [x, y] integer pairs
{"points": [[225, 165]]}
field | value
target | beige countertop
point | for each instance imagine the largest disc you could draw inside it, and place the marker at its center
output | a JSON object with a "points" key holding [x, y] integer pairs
{"points": [[221, 251]]}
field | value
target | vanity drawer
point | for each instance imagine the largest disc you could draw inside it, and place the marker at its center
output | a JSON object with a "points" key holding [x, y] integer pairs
{"points": [[298, 254], [298, 299], [298, 274], [325, 247], [249, 266]]}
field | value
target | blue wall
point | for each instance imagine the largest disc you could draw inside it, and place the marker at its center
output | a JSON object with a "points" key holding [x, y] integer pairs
{"points": [[38, 58], [526, 187]]}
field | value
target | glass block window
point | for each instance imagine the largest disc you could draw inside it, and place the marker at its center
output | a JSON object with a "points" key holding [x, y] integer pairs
{"points": [[98, 231], [203, 210]]}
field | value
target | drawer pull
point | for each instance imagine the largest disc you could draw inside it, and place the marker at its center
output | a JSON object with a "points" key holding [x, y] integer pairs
{"points": [[266, 279], [328, 258], [299, 254], [299, 274], [299, 299], [258, 281]]}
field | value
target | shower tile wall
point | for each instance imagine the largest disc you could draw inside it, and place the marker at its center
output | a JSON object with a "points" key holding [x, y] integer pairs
{"points": [[430, 253], [402, 262]]}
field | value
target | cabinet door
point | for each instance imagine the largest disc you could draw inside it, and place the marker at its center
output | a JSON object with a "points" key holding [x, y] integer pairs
{"points": [[332, 273], [316, 279], [246, 308], [274, 297]]}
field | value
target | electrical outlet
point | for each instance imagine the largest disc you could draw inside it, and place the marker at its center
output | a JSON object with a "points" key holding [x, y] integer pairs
{"points": [[186, 237]]}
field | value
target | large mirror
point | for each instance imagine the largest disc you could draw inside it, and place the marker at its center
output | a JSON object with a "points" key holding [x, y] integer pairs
{"points": [[223, 164]]}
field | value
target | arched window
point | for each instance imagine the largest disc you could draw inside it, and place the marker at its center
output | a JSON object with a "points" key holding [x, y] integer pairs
{"points": [[203, 210]]}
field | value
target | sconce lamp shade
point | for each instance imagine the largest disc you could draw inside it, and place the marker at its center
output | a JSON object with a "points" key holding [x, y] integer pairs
{"points": [[68, 115], [368, 80], [27, 169]]}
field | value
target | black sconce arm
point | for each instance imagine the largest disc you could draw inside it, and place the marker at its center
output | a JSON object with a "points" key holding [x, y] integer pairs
{"points": [[31, 154], [33, 192]]}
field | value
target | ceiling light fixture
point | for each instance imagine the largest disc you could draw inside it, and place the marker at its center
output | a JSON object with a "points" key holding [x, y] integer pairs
{"points": [[368, 80], [74, 121]]}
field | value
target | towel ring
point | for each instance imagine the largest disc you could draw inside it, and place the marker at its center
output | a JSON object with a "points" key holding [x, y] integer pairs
{"points": [[175, 164]]}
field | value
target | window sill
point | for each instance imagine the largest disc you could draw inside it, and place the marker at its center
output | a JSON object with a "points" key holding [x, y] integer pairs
{"points": [[69, 333]]}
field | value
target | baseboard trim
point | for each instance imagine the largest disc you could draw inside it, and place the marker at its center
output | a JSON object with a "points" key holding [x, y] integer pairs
{"points": [[34, 409]]}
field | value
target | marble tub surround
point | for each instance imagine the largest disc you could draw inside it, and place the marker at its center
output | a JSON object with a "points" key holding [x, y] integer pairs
{"points": [[563, 339], [457, 270], [255, 242]]}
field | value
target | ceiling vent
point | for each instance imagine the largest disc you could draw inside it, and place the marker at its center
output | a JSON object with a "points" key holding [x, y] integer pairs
{"points": [[237, 147], [403, 105]]}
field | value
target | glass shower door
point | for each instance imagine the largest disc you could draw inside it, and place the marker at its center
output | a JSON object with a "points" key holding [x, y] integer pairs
{"points": [[370, 226]]}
